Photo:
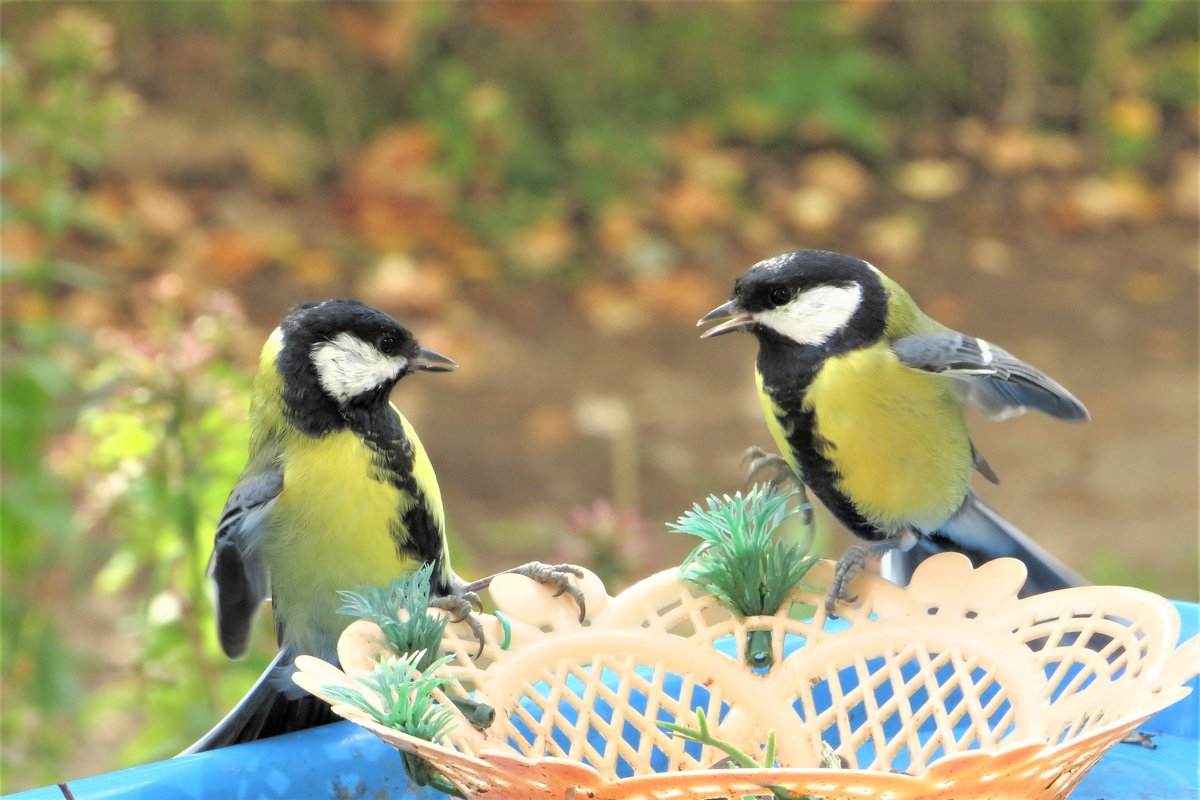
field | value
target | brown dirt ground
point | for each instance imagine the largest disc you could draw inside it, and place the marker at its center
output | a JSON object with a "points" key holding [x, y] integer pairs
{"points": [[1116, 497]]}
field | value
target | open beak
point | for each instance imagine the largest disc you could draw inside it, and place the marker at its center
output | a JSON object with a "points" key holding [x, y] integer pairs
{"points": [[732, 317], [429, 361]]}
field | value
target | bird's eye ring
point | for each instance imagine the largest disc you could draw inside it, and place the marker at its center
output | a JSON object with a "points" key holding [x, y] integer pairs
{"points": [[387, 343], [779, 296]]}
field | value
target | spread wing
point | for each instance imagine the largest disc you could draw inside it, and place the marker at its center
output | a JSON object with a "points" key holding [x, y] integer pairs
{"points": [[992, 380], [236, 566]]}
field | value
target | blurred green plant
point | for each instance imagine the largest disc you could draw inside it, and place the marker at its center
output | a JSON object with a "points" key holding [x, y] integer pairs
{"points": [[1128, 70], [125, 519], [543, 112], [165, 438], [115, 451], [60, 108]]}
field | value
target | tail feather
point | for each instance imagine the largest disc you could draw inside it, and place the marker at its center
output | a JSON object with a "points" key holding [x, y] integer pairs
{"points": [[272, 707], [981, 534]]}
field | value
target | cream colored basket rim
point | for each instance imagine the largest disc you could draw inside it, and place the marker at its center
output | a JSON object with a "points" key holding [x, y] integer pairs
{"points": [[950, 687]]}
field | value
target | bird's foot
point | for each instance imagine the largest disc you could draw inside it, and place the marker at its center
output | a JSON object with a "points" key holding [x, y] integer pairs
{"points": [[780, 474], [461, 607], [556, 575], [850, 564], [779, 471]]}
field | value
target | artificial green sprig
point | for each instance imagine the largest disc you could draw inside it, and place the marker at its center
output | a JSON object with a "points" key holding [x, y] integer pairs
{"points": [[406, 699], [414, 636], [739, 559], [702, 735], [411, 632], [406, 704]]}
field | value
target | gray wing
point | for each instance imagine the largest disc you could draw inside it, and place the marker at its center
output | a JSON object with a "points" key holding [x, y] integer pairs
{"points": [[236, 567], [992, 380]]}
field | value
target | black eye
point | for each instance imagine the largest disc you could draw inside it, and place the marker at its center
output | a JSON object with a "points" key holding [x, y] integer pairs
{"points": [[387, 344], [779, 296]]}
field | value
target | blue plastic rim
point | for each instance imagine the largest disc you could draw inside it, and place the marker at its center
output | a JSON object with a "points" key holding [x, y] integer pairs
{"points": [[344, 761]]}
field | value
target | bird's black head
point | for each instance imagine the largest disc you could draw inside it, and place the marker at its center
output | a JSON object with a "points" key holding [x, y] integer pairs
{"points": [[341, 354], [809, 298]]}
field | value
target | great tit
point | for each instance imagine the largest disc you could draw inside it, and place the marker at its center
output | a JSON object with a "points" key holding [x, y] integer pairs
{"points": [[864, 395], [337, 493]]}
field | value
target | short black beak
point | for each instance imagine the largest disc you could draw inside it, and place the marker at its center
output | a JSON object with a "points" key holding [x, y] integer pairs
{"points": [[732, 318], [429, 361]]}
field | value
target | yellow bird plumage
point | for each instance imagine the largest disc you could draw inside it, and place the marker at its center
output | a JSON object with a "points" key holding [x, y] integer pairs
{"points": [[864, 396], [338, 492], [916, 469], [321, 554]]}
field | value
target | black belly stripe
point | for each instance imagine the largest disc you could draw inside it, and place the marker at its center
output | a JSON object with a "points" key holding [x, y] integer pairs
{"points": [[424, 540], [416, 532]]}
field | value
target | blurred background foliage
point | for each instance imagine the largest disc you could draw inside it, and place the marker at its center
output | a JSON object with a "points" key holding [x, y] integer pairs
{"points": [[551, 193]]}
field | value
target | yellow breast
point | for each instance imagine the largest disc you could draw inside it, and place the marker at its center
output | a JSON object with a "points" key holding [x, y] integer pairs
{"points": [[898, 438], [332, 529]]}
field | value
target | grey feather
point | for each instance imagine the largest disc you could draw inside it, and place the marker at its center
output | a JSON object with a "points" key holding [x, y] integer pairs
{"points": [[992, 380], [236, 568]]}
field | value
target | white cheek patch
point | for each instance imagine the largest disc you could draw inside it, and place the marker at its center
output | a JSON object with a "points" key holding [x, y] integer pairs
{"points": [[815, 315], [347, 366]]}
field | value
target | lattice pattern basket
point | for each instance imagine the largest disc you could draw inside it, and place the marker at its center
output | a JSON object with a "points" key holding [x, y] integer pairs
{"points": [[949, 688]]}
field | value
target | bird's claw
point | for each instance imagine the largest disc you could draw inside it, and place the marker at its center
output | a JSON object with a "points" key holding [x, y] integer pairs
{"points": [[781, 473], [760, 460], [852, 562], [558, 575], [461, 608], [849, 565]]}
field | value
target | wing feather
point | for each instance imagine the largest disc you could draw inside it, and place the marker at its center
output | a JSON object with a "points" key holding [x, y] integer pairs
{"points": [[992, 380], [236, 568]]}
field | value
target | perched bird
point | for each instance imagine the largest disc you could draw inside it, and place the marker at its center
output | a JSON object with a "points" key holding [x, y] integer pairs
{"points": [[864, 395], [338, 493]]}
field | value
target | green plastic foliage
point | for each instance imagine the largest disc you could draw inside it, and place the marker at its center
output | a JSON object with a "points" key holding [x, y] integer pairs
{"points": [[740, 560], [400, 610], [400, 698]]}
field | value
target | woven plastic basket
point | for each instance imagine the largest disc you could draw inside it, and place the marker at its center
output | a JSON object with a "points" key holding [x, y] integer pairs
{"points": [[949, 688]]}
